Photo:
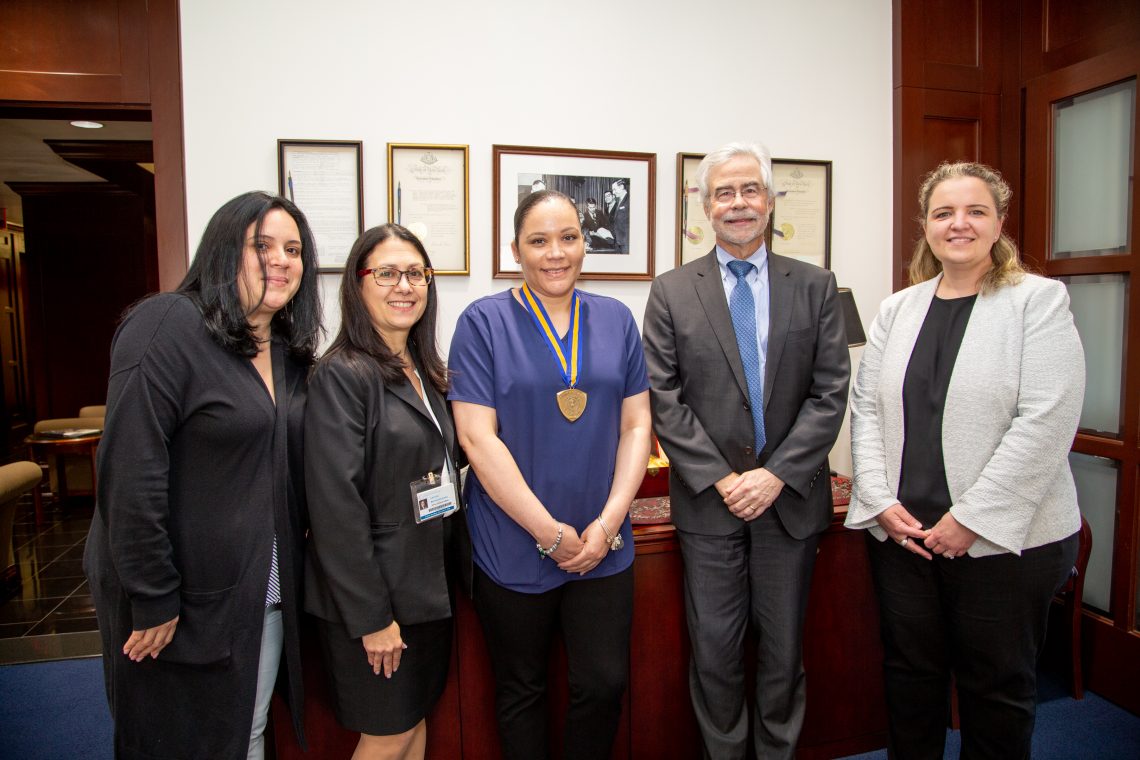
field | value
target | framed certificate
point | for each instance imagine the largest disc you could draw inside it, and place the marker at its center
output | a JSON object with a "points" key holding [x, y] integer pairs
{"points": [[614, 193], [428, 193], [695, 235], [325, 179], [801, 219]]}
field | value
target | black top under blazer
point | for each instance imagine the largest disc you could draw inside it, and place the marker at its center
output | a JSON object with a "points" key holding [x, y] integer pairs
{"points": [[368, 561]]}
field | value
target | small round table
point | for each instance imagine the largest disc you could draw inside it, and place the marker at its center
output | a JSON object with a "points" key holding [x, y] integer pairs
{"points": [[42, 446]]}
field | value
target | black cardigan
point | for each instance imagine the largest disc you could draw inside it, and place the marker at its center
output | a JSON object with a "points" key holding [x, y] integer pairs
{"points": [[198, 471]]}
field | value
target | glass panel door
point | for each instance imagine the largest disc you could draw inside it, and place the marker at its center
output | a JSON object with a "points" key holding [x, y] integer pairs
{"points": [[1092, 164]]}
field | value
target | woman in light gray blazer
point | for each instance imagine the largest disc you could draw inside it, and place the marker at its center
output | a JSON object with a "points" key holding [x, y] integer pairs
{"points": [[963, 412]]}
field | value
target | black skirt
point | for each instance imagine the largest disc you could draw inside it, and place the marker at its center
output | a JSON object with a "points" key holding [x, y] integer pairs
{"points": [[372, 704]]}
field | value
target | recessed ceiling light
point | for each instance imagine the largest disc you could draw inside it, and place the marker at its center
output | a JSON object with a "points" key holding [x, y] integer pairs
{"points": [[87, 124]]}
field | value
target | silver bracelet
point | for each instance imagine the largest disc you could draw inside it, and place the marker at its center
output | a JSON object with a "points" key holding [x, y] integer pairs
{"points": [[544, 553], [615, 541]]}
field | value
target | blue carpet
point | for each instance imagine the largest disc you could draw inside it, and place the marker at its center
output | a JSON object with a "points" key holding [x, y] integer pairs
{"points": [[53, 710], [1067, 729]]}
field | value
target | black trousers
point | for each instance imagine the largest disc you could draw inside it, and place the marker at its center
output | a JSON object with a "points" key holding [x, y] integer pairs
{"points": [[595, 617], [981, 619]]}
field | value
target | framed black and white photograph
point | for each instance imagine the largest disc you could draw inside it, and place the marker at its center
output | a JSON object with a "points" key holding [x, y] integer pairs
{"points": [[614, 192], [428, 194], [325, 179]]}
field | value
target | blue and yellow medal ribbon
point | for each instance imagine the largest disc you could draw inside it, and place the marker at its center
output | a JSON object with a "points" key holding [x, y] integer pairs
{"points": [[542, 322]]}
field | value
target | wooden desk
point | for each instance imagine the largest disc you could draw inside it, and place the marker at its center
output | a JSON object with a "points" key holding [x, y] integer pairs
{"points": [[846, 712], [42, 447]]}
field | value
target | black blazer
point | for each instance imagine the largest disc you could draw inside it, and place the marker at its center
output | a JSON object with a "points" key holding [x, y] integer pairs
{"points": [[368, 562], [699, 394]]}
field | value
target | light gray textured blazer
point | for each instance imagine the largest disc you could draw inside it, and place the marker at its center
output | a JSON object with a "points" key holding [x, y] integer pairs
{"points": [[1011, 413]]}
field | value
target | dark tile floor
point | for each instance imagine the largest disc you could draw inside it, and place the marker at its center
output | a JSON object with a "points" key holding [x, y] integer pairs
{"points": [[52, 599]]}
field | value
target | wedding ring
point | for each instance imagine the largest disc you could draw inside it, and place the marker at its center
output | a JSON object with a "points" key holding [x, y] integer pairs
{"points": [[949, 555], [902, 541]]}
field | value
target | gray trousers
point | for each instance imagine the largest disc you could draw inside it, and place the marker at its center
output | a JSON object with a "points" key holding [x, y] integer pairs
{"points": [[272, 638], [758, 574]]}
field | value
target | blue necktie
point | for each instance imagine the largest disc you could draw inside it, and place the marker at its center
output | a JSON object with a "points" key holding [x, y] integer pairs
{"points": [[742, 306]]}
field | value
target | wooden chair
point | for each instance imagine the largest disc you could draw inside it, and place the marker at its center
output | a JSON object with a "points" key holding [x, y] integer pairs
{"points": [[1072, 594], [16, 479], [69, 465]]}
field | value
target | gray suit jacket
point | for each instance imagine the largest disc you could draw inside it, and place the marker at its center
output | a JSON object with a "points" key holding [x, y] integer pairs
{"points": [[700, 396], [1011, 412]]}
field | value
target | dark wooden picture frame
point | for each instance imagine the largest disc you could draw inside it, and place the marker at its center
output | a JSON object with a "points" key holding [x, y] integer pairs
{"points": [[584, 173], [338, 165]]}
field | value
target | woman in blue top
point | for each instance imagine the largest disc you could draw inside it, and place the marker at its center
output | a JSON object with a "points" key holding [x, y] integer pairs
{"points": [[551, 405]]}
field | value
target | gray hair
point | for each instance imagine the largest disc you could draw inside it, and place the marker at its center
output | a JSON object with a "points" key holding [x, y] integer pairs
{"points": [[726, 153]]}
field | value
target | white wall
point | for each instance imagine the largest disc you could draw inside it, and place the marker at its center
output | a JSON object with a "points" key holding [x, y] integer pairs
{"points": [[812, 79]]}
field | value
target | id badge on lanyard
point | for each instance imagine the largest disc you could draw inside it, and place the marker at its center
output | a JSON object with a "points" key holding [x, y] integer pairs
{"points": [[434, 496]]}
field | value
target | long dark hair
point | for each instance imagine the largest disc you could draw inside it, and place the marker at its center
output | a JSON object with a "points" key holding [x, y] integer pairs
{"points": [[212, 280], [358, 340]]}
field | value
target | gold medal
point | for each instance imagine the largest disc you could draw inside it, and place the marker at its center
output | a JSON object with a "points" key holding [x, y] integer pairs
{"points": [[571, 402]]}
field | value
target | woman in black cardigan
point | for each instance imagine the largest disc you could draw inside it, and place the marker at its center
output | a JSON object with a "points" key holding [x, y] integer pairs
{"points": [[382, 475], [194, 556]]}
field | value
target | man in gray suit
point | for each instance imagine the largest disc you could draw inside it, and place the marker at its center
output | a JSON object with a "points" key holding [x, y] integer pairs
{"points": [[749, 369]]}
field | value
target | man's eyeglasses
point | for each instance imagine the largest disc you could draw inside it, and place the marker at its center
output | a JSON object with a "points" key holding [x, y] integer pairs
{"points": [[727, 195], [389, 277]]}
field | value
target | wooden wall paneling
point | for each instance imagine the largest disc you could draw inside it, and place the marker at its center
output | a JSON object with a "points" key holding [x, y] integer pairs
{"points": [[57, 55], [82, 275], [843, 657], [1011, 117], [1060, 33], [88, 52], [948, 44], [1112, 666], [662, 723], [933, 126], [166, 134]]}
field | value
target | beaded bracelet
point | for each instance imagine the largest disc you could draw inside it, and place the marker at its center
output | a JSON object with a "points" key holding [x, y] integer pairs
{"points": [[615, 542], [544, 553]]}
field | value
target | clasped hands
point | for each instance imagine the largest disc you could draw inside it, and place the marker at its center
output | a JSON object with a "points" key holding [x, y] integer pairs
{"points": [[948, 537], [749, 495], [578, 553]]}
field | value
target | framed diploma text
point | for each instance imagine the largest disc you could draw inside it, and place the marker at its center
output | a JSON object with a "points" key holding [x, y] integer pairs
{"points": [[428, 193], [325, 179], [695, 235], [801, 218]]}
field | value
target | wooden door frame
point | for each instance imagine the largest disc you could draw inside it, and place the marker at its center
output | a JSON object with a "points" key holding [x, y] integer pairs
{"points": [[1113, 642]]}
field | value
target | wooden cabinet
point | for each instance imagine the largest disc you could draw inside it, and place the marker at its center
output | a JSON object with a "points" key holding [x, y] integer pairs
{"points": [[846, 713]]}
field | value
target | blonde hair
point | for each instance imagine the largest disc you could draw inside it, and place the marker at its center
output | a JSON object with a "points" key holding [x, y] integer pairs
{"points": [[1006, 269]]}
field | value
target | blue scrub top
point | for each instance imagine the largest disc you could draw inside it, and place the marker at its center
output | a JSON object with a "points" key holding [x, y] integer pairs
{"points": [[499, 359]]}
